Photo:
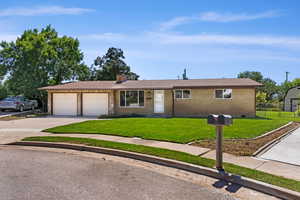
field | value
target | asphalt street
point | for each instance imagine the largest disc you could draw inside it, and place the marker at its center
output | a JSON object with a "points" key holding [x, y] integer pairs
{"points": [[32, 174]]}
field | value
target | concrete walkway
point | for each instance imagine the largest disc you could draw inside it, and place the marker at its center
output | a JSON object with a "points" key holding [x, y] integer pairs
{"points": [[153, 143], [287, 150]]}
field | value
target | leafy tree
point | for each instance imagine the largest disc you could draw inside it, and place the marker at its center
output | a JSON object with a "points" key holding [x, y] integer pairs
{"points": [[256, 76], [3, 91], [40, 58], [261, 98], [110, 65], [269, 87], [285, 86]]}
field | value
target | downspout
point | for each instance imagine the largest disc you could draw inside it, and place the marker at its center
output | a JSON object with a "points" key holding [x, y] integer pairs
{"points": [[51, 105], [81, 102], [255, 93], [173, 104]]}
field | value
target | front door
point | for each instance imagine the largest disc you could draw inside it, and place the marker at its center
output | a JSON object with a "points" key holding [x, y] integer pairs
{"points": [[159, 101]]}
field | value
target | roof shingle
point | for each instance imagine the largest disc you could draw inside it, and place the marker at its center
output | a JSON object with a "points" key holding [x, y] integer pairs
{"points": [[155, 84]]}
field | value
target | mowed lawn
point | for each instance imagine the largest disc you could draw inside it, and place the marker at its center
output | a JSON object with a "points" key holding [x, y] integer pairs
{"points": [[181, 130]]}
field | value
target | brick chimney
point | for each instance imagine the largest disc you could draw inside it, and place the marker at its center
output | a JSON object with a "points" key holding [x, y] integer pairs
{"points": [[121, 78]]}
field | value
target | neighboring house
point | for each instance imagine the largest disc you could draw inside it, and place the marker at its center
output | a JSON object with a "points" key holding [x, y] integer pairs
{"points": [[292, 99], [195, 97]]}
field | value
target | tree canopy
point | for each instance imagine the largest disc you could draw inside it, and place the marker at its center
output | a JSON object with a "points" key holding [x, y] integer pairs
{"points": [[283, 88], [269, 87], [110, 65], [40, 58], [256, 76]]}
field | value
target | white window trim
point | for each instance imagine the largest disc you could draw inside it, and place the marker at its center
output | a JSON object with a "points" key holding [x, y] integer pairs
{"points": [[182, 94], [223, 93], [125, 99]]}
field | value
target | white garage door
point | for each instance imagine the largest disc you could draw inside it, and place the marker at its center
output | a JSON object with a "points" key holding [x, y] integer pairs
{"points": [[65, 104], [94, 104]]}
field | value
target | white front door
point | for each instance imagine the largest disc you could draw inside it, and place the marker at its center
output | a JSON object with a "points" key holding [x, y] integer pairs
{"points": [[159, 101], [94, 104]]}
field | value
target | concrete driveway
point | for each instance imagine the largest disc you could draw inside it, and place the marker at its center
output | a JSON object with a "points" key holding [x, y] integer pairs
{"points": [[287, 150], [14, 130]]}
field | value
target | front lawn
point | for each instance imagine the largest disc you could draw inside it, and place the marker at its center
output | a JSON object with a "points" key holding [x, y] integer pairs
{"points": [[181, 130]]}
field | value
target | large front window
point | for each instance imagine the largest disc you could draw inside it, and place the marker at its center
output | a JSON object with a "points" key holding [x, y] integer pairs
{"points": [[223, 94], [134, 98], [182, 94]]}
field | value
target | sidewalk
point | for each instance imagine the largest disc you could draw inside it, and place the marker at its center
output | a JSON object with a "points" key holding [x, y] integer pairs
{"points": [[272, 167]]}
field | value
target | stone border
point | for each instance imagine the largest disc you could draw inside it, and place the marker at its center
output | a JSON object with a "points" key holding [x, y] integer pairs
{"points": [[246, 182], [272, 131]]}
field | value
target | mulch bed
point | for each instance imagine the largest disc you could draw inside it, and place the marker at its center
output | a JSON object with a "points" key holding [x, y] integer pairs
{"points": [[246, 147]]}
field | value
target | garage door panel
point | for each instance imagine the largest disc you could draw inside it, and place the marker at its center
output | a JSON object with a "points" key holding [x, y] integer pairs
{"points": [[94, 104], [65, 104]]}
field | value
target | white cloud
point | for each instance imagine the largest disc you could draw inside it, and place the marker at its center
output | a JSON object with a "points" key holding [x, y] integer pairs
{"points": [[231, 17], [43, 10], [174, 22], [104, 36], [217, 17], [169, 38]]}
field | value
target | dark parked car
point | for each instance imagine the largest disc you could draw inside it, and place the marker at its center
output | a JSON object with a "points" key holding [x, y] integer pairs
{"points": [[18, 103]]}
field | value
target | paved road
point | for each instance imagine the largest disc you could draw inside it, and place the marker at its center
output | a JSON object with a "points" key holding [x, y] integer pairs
{"points": [[33, 174], [287, 150]]}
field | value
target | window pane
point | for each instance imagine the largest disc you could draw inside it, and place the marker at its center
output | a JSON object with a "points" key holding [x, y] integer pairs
{"points": [[178, 94], [186, 94], [122, 98], [227, 93], [219, 94], [132, 98], [141, 98]]}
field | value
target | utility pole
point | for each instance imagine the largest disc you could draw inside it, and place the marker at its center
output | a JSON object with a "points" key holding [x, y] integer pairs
{"points": [[287, 76]]}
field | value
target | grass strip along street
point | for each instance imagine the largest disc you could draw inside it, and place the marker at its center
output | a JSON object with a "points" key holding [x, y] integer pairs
{"points": [[175, 155]]}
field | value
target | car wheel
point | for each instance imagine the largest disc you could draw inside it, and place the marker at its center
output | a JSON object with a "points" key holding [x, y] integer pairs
{"points": [[21, 109]]}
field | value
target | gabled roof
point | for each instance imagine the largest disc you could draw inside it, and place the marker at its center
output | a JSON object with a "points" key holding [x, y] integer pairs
{"points": [[155, 84]]}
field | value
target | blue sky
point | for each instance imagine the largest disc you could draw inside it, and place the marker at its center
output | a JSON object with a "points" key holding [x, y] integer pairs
{"points": [[160, 38]]}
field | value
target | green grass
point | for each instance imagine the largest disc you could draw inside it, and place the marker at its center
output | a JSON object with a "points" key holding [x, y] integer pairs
{"points": [[176, 155], [180, 130]]}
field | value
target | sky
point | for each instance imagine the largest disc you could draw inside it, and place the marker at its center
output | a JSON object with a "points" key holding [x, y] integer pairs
{"points": [[211, 39]]}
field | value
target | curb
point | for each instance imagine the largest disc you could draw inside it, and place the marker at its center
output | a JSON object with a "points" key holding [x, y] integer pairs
{"points": [[17, 113], [246, 182], [270, 144]]}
